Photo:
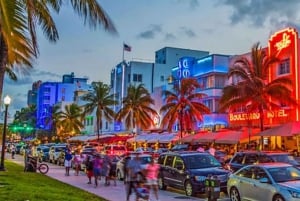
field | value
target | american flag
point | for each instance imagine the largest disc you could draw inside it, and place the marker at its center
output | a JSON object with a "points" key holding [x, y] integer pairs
{"points": [[127, 47]]}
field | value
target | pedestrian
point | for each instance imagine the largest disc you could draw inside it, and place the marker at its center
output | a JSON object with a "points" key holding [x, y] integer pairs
{"points": [[13, 151], [212, 150], [89, 169], [77, 162], [97, 165], [133, 169], [68, 161], [152, 170], [106, 169]]}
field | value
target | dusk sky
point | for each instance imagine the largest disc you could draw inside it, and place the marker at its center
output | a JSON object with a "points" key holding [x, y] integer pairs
{"points": [[217, 26]]}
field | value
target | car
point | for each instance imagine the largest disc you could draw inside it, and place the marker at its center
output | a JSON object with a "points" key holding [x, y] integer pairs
{"points": [[42, 152], [120, 166], [241, 159], [188, 170], [180, 147], [56, 153], [265, 181]]}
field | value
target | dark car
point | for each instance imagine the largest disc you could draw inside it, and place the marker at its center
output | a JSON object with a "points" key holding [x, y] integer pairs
{"points": [[241, 159], [188, 170]]}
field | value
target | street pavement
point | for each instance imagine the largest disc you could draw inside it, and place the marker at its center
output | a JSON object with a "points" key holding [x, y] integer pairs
{"points": [[111, 193]]}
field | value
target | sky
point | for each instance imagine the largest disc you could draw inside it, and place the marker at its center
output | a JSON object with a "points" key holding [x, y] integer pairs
{"points": [[218, 26]]}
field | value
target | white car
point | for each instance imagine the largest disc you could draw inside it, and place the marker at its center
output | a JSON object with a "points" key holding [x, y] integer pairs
{"points": [[56, 152], [120, 168], [265, 181]]}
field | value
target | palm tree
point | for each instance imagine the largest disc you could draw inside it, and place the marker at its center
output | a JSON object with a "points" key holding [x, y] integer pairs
{"points": [[19, 20], [252, 88], [100, 100], [183, 105], [70, 121], [136, 109]]}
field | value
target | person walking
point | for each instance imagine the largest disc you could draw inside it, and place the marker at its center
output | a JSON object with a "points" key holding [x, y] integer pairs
{"points": [[97, 165], [13, 151], [133, 169], [68, 161], [77, 162], [152, 170], [106, 169], [89, 169]]}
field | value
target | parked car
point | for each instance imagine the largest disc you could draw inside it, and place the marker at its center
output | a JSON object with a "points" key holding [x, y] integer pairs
{"points": [[180, 147], [120, 167], [56, 152], [241, 159], [42, 152], [269, 181], [188, 170]]}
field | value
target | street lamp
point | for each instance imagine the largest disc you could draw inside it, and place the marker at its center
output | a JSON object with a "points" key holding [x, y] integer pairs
{"points": [[7, 100]]}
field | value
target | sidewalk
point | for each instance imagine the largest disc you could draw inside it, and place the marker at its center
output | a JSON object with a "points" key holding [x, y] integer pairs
{"points": [[111, 193]]}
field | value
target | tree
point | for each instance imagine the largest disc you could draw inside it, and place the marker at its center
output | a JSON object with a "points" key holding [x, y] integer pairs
{"points": [[19, 20], [136, 110], [69, 121], [183, 106], [100, 100], [251, 88]]}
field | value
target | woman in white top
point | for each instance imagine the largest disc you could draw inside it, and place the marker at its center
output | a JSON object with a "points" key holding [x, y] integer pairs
{"points": [[77, 162]]}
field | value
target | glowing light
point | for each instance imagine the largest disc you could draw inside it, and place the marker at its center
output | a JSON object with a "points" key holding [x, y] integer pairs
{"points": [[285, 42]]}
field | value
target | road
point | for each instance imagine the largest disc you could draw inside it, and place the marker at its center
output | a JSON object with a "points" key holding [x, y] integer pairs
{"points": [[112, 193]]}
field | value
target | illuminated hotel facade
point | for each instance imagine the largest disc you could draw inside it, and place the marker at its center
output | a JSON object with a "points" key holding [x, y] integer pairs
{"points": [[284, 44]]}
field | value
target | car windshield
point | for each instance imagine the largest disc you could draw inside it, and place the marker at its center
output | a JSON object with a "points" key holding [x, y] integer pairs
{"points": [[201, 161], [57, 149], [284, 174]]}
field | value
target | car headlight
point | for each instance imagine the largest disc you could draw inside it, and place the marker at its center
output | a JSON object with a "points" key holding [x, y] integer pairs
{"points": [[199, 178], [294, 194]]}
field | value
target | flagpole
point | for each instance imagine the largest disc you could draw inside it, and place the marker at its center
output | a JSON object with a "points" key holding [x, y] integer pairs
{"points": [[123, 52]]}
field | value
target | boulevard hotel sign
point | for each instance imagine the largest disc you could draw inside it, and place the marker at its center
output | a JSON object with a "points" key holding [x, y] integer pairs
{"points": [[283, 44], [256, 115]]}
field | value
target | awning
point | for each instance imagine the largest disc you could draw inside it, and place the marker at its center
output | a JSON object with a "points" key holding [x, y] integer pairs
{"points": [[287, 129], [153, 137], [167, 138], [206, 137], [233, 137]]}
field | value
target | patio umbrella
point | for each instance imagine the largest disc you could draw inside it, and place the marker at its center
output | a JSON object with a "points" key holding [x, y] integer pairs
{"points": [[287, 129]]}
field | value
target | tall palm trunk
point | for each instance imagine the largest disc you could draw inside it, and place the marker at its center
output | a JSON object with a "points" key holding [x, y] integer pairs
{"points": [[3, 63], [261, 112]]}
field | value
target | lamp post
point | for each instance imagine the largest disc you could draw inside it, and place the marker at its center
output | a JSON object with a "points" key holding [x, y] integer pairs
{"points": [[7, 100]]}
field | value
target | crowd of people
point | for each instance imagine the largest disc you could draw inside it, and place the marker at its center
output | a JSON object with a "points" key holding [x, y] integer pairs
{"points": [[139, 180]]}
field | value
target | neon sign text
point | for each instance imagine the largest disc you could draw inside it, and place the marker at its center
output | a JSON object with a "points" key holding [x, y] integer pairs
{"points": [[256, 115], [285, 42]]}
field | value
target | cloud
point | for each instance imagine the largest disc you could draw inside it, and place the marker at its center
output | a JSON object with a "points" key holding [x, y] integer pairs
{"points": [[258, 13], [151, 32], [192, 3], [189, 32], [170, 36]]}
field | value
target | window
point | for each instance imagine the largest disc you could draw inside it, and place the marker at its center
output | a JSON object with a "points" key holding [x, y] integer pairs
{"points": [[137, 78], [220, 81], [128, 77], [284, 67], [246, 172], [169, 161], [238, 159], [178, 162], [251, 158], [209, 104], [162, 78]]}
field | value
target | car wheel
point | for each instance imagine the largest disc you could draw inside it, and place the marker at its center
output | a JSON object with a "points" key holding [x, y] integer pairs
{"points": [[119, 176], [161, 184], [189, 189], [278, 198], [234, 194]]}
